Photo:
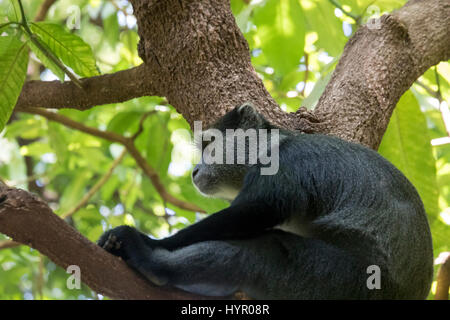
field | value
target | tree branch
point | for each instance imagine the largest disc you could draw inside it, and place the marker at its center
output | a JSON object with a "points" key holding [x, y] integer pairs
{"points": [[379, 65], [198, 59], [196, 56], [53, 237], [42, 13], [128, 143], [96, 187], [443, 280], [108, 88]]}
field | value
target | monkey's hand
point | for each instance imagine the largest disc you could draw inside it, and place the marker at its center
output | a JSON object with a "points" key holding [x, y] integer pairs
{"points": [[135, 248]]}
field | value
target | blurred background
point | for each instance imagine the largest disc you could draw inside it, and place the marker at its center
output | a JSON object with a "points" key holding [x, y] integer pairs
{"points": [[295, 46]]}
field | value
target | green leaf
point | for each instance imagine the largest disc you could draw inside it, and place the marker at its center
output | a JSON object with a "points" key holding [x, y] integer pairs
{"points": [[74, 191], [159, 147], [49, 64], [57, 141], [27, 128], [13, 70], [127, 121], [406, 144], [312, 99], [36, 149], [320, 18], [112, 25], [68, 47], [10, 10], [281, 31]]}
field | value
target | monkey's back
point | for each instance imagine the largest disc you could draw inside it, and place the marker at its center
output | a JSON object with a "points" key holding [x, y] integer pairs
{"points": [[360, 201]]}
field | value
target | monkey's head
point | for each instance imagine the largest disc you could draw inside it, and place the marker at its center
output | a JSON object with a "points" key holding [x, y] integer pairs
{"points": [[225, 152]]}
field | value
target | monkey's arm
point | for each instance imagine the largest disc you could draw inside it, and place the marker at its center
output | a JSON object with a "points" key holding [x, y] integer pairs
{"points": [[235, 222], [263, 203]]}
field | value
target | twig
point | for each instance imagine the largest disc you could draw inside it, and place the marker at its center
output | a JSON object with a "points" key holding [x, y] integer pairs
{"points": [[124, 11], [14, 183], [40, 277], [7, 244], [351, 15], [306, 74], [33, 38], [438, 83], [430, 91], [141, 123], [107, 135], [43, 10], [443, 106], [128, 143], [96, 187]]}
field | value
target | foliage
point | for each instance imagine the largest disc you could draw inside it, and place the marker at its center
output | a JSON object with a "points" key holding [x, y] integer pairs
{"points": [[295, 46]]}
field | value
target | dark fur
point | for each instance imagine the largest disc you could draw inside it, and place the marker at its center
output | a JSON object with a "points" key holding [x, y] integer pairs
{"points": [[351, 206]]}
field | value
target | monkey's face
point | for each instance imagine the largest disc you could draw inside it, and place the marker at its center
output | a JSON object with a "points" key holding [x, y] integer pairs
{"points": [[226, 153], [218, 181], [214, 176]]}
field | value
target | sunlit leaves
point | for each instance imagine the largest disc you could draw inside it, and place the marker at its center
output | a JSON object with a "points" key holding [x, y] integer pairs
{"points": [[70, 48], [319, 87], [68, 163], [281, 33], [47, 62], [13, 68], [407, 145], [321, 19]]}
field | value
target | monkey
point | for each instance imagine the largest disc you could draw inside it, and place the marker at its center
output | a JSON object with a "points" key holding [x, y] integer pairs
{"points": [[335, 221]]}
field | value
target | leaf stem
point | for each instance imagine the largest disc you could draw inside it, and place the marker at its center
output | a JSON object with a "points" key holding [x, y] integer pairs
{"points": [[44, 50], [438, 83], [8, 23], [54, 59], [351, 15]]}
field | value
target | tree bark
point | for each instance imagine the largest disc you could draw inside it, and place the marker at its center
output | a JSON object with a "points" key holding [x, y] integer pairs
{"points": [[198, 59], [29, 220], [379, 65], [443, 280], [196, 56]]}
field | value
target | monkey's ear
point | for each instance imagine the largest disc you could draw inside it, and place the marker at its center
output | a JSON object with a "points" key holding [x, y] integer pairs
{"points": [[246, 108]]}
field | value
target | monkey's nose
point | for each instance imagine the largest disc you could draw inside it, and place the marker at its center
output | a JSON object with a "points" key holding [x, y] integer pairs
{"points": [[194, 172]]}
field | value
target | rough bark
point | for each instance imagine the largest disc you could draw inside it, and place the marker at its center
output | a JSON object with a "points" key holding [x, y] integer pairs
{"points": [[108, 88], [198, 59], [443, 280], [30, 221], [379, 65]]}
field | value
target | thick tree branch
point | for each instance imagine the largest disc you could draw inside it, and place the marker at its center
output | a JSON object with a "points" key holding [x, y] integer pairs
{"points": [[108, 88], [379, 65], [443, 280], [65, 246], [198, 59]]}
